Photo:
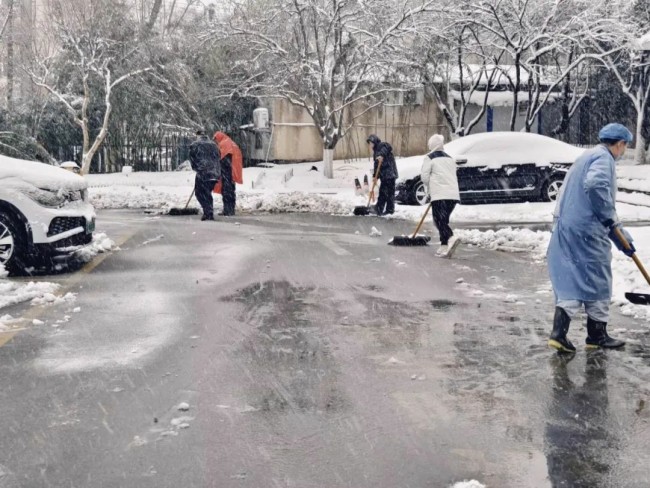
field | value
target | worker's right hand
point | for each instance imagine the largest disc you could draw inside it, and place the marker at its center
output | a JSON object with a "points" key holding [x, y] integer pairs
{"points": [[628, 251]]}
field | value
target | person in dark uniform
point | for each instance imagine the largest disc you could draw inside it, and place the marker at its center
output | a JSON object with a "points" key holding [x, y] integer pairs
{"points": [[231, 172], [205, 160], [382, 152]]}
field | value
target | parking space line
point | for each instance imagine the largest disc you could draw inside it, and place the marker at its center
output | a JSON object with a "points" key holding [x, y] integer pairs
{"points": [[7, 336]]}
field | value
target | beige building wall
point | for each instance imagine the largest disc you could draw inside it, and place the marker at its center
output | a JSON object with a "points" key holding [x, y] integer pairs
{"points": [[406, 126]]}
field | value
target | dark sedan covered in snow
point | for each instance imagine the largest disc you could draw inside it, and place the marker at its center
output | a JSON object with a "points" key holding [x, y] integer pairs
{"points": [[495, 167]]}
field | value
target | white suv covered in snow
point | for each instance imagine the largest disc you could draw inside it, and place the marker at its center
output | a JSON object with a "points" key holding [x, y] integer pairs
{"points": [[43, 211]]}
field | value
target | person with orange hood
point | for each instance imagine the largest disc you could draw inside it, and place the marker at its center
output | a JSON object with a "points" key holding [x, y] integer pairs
{"points": [[232, 169]]}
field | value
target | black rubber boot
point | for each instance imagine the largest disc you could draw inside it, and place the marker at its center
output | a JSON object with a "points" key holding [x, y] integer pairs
{"points": [[597, 336], [558, 339]]}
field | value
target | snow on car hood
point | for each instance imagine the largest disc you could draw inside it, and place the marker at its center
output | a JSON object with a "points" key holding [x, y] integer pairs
{"points": [[496, 149], [40, 175]]}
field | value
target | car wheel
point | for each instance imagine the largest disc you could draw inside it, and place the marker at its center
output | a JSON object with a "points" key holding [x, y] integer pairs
{"points": [[551, 189], [419, 194], [12, 245]]}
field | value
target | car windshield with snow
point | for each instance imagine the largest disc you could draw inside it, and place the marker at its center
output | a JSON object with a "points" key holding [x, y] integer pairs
{"points": [[44, 212], [497, 166]]}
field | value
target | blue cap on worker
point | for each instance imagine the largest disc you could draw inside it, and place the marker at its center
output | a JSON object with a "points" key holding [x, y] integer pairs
{"points": [[615, 132]]}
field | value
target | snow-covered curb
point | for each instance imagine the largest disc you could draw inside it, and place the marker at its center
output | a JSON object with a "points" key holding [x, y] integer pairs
{"points": [[308, 192]]}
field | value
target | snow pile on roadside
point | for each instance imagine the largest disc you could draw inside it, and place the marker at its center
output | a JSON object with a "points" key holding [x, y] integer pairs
{"points": [[100, 244], [135, 197], [13, 293], [508, 240], [42, 292], [294, 202], [52, 299], [295, 188], [468, 484]]}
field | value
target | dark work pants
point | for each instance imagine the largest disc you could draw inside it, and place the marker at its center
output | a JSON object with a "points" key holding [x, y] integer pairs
{"points": [[442, 210], [228, 189], [203, 191], [386, 198]]}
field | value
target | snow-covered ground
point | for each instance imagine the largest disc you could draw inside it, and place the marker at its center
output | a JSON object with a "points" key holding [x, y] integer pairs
{"points": [[296, 188], [14, 292], [627, 277]]}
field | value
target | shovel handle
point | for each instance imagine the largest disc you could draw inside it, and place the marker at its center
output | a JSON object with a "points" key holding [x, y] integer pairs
{"points": [[374, 183], [626, 245], [189, 200], [417, 229]]}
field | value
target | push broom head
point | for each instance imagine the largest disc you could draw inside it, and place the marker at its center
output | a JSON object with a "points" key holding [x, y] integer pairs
{"points": [[183, 211], [408, 241], [361, 211]]}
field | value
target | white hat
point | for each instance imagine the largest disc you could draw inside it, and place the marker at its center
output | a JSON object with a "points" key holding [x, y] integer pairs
{"points": [[436, 142]]}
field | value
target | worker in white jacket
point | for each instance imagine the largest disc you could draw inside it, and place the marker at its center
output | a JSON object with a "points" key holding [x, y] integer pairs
{"points": [[439, 175]]}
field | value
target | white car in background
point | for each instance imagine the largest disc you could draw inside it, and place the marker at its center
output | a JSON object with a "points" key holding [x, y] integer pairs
{"points": [[44, 211], [495, 167]]}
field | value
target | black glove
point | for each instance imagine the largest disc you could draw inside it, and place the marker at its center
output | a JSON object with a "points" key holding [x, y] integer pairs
{"points": [[614, 238]]}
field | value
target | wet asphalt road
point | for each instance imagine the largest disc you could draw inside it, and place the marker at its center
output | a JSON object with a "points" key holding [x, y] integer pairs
{"points": [[311, 356]]}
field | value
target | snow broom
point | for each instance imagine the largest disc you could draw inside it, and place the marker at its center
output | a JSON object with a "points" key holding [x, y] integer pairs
{"points": [[415, 239], [176, 211], [635, 298], [365, 210]]}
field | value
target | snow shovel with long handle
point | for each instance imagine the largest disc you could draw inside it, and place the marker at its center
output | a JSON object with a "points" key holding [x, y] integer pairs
{"points": [[636, 298], [365, 210], [175, 212], [415, 239]]}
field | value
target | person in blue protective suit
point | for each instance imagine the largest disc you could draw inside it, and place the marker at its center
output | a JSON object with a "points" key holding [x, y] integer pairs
{"points": [[579, 254]]}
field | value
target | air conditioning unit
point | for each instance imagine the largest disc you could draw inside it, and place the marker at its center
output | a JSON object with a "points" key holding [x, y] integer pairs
{"points": [[261, 118]]}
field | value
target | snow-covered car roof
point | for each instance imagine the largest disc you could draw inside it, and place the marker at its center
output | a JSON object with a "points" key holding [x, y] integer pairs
{"points": [[40, 175], [496, 149]]}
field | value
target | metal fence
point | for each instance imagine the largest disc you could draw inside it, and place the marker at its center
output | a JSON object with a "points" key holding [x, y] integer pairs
{"points": [[168, 155]]}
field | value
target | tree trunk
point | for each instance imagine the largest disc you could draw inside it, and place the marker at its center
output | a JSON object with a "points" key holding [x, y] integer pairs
{"points": [[86, 159], [10, 61], [153, 16], [432, 91], [640, 151], [515, 96], [328, 163]]}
